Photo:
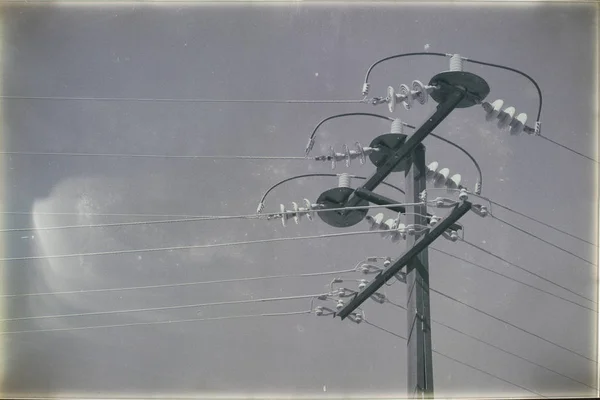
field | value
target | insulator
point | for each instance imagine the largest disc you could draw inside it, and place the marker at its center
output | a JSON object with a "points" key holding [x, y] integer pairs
{"points": [[365, 89], [387, 262], [454, 181], [347, 157], [463, 195], [373, 259], [480, 210], [388, 225], [492, 110], [378, 297], [434, 220], [517, 124], [260, 207], [375, 221], [369, 269], [332, 157], [406, 94], [397, 126], [391, 98], [402, 229], [538, 128], [456, 63], [295, 215], [344, 180], [478, 188], [423, 196], [360, 151], [340, 304], [505, 117], [441, 177], [453, 236], [362, 284], [358, 318], [410, 229], [284, 216], [319, 311], [431, 170], [421, 95]]}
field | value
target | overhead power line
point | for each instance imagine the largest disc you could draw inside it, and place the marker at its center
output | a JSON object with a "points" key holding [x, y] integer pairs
{"points": [[513, 279], [512, 325], [174, 100], [126, 155], [541, 222], [182, 284], [498, 348], [568, 148], [542, 240], [528, 271], [171, 321], [177, 307], [456, 360], [188, 219]]}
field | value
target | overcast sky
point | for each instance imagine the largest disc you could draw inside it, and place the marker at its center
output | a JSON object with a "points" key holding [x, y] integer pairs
{"points": [[236, 51]]}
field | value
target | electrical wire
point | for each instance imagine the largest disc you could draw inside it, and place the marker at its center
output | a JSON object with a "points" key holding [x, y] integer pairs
{"points": [[537, 87], [201, 246], [512, 325], [311, 140], [68, 154], [542, 240], [263, 198], [172, 100], [528, 271], [455, 360], [451, 143], [193, 219], [398, 56], [513, 279], [497, 347], [568, 148], [178, 307], [541, 222], [176, 321], [183, 284]]}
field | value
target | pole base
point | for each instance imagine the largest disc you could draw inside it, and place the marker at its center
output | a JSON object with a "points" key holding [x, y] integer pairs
{"points": [[476, 87], [336, 198]]}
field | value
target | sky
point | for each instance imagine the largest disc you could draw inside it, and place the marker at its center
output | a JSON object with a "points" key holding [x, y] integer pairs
{"points": [[56, 58]]}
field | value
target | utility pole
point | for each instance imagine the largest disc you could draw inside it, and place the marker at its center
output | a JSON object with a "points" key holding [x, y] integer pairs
{"points": [[345, 206], [418, 321]]}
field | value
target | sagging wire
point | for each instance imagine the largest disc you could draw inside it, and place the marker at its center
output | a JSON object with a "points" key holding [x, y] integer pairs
{"points": [[261, 203], [173, 248], [177, 307], [311, 139]]}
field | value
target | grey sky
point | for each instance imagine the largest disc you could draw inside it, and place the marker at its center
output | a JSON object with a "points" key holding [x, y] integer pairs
{"points": [[283, 52]]}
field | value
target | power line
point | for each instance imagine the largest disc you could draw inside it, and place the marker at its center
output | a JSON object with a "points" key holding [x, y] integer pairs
{"points": [[173, 100], [183, 284], [542, 240], [541, 222], [513, 279], [179, 307], [499, 348], [124, 155], [201, 246], [455, 360], [157, 322], [191, 219], [528, 271], [513, 325], [568, 148]]}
